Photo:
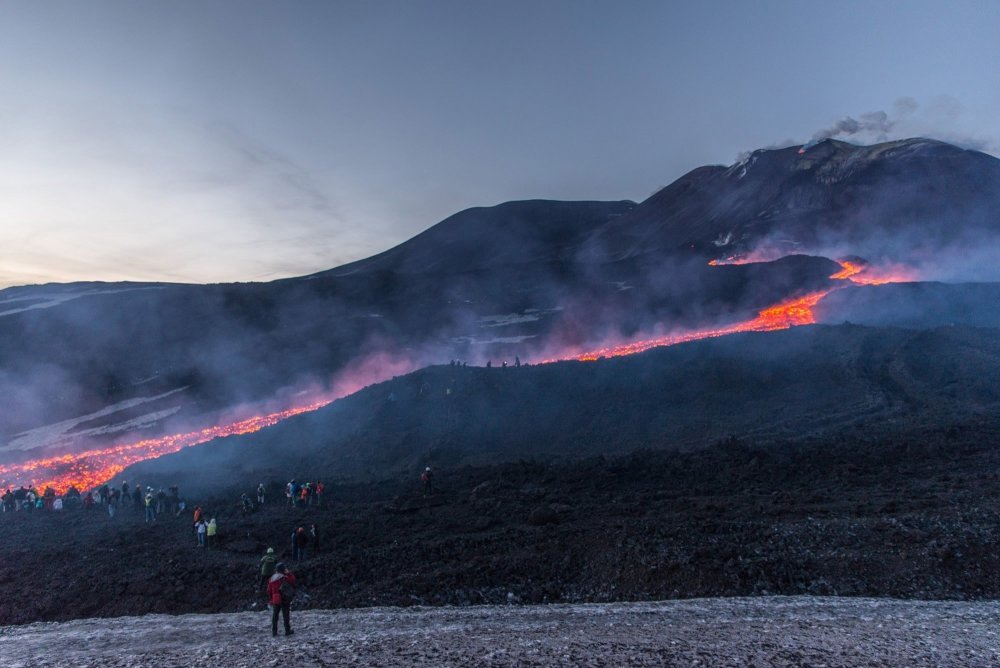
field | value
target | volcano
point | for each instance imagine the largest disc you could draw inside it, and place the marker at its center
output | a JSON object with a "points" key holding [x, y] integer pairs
{"points": [[94, 367]]}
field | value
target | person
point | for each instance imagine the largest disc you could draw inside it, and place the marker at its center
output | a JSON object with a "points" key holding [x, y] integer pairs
{"points": [[137, 497], [319, 493], [280, 602], [246, 504], [113, 503], [427, 478], [260, 494], [213, 533], [300, 539], [314, 536], [150, 506], [8, 501], [125, 494], [201, 528], [267, 564], [88, 501]]}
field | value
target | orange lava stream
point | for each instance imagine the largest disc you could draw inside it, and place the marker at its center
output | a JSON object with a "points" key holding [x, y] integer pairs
{"points": [[786, 314], [792, 313], [87, 470]]}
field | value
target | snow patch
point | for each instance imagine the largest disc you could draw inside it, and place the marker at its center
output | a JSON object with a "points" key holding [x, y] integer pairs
{"points": [[59, 433], [35, 302]]}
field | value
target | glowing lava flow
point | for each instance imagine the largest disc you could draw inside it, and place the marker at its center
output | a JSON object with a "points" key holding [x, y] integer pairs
{"points": [[780, 316], [786, 314], [89, 469], [86, 470]]}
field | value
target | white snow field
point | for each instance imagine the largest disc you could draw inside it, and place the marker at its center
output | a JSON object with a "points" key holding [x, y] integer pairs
{"points": [[778, 631]]}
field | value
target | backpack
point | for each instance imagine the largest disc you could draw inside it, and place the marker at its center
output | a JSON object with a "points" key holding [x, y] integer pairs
{"points": [[287, 591]]}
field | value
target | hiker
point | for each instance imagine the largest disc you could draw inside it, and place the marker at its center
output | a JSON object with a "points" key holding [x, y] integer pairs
{"points": [[137, 497], [125, 495], [319, 493], [267, 564], [197, 514], [246, 504], [300, 539], [113, 503], [213, 533], [201, 528], [314, 536], [427, 478], [88, 501], [260, 494], [150, 506], [280, 590]]}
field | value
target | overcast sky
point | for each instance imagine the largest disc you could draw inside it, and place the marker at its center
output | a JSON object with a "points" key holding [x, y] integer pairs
{"points": [[234, 141]]}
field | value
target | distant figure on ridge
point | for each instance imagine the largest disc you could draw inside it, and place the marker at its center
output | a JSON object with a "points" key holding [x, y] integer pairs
{"points": [[213, 534], [260, 494]]}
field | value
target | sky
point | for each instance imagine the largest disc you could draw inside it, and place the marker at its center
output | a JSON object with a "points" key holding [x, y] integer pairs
{"points": [[246, 141]]}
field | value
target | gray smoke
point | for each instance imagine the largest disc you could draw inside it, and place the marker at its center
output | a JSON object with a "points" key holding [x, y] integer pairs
{"points": [[872, 126]]}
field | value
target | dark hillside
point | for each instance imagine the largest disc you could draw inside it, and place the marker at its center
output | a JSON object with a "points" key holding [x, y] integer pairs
{"points": [[800, 383], [911, 514]]}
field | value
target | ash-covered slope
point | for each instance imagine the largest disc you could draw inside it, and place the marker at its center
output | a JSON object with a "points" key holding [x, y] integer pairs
{"points": [[903, 201], [804, 383], [526, 279]]}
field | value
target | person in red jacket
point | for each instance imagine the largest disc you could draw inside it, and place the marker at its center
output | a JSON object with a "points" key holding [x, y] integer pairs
{"points": [[279, 601]]}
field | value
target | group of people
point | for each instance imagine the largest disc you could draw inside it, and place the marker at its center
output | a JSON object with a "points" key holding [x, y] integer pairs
{"points": [[275, 577], [105, 497], [300, 495]]}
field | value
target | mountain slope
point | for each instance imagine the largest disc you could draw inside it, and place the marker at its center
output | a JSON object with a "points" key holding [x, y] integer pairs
{"points": [[89, 363], [808, 382], [901, 200]]}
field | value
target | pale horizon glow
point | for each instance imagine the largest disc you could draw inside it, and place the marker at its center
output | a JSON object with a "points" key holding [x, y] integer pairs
{"points": [[248, 141]]}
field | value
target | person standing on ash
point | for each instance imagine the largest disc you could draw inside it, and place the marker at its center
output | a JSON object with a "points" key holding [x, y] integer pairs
{"points": [[281, 591]]}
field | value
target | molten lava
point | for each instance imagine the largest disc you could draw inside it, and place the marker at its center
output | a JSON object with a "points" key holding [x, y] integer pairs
{"points": [[87, 470], [791, 313], [787, 314]]}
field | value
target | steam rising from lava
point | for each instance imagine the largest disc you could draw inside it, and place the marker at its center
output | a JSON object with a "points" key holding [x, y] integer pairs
{"points": [[791, 313], [89, 469]]}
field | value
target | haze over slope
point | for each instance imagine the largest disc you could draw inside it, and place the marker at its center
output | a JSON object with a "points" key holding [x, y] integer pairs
{"points": [[88, 363], [803, 383]]}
